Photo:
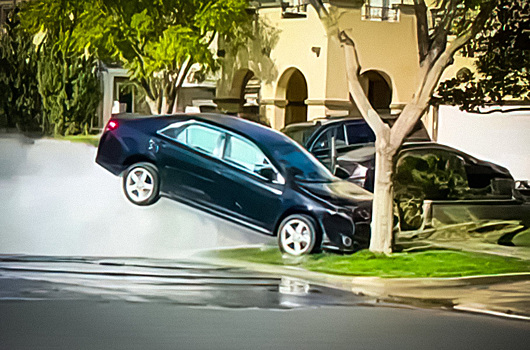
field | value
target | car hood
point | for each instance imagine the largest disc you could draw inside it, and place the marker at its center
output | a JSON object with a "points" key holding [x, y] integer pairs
{"points": [[342, 193]]}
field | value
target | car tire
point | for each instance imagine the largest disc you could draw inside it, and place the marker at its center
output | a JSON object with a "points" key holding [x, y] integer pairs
{"points": [[141, 184], [298, 235]]}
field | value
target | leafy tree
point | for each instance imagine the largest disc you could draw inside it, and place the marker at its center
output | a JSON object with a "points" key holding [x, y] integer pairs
{"points": [[70, 92], [503, 61], [67, 75], [463, 19], [158, 41], [20, 101]]}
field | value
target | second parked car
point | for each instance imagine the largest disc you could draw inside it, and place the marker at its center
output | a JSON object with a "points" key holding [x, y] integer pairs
{"points": [[423, 169]]}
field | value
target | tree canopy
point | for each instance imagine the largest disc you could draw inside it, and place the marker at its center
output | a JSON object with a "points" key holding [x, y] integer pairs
{"points": [[20, 102], [503, 61], [66, 74], [158, 41]]}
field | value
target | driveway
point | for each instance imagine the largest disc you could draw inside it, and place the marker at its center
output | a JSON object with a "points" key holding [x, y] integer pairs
{"points": [[57, 201]]}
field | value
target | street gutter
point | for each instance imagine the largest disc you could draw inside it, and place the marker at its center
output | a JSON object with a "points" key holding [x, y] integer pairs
{"points": [[503, 295]]}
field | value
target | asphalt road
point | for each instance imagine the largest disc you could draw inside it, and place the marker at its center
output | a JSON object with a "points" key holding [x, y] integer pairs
{"points": [[116, 303]]}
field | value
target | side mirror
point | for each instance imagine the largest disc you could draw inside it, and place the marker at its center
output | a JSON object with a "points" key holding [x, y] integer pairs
{"points": [[268, 173], [341, 173]]}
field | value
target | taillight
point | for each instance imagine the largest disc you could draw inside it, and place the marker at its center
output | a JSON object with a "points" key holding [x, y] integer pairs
{"points": [[112, 125]]}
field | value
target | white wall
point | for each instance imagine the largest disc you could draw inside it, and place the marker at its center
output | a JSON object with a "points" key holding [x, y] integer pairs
{"points": [[502, 138]]}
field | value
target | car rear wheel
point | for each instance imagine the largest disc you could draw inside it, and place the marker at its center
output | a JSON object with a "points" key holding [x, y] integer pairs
{"points": [[297, 235], [141, 184]]}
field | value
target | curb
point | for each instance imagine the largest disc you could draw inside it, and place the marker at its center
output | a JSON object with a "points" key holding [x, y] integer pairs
{"points": [[471, 294]]}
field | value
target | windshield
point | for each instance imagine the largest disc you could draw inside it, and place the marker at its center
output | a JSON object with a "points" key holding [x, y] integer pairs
{"points": [[301, 164], [301, 133]]}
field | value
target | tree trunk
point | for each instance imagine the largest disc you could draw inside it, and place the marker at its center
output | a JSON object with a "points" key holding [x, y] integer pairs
{"points": [[435, 56], [382, 210], [153, 105]]}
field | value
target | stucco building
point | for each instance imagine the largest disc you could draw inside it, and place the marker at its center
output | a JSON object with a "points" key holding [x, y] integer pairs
{"points": [[295, 71]]}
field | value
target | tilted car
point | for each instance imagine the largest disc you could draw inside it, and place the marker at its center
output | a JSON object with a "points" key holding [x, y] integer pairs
{"points": [[240, 171]]}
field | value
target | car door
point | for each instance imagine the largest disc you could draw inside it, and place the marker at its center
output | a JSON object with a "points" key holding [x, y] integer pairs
{"points": [[251, 195], [358, 156], [190, 163], [321, 148]]}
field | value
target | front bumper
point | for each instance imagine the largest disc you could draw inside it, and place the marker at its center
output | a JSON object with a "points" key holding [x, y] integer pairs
{"points": [[345, 230]]}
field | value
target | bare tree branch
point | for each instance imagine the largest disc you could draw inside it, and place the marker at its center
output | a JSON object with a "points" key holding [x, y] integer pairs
{"points": [[356, 91], [423, 28], [319, 7], [183, 72], [417, 107]]}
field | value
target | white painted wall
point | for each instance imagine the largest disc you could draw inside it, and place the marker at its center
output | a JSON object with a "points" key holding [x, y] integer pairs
{"points": [[502, 138]]}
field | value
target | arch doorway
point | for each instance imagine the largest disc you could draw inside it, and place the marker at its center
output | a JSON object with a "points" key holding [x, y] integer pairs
{"points": [[378, 88], [292, 87], [245, 92]]}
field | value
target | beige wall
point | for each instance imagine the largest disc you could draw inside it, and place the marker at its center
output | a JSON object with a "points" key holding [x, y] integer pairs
{"points": [[388, 47]]}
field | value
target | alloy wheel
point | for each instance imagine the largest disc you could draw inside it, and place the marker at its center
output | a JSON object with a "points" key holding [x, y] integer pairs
{"points": [[297, 236], [139, 184]]}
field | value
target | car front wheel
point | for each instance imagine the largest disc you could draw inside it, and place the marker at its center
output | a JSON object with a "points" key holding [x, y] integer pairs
{"points": [[141, 184], [297, 235]]}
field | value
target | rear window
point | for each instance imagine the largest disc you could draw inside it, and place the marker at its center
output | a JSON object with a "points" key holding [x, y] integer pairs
{"points": [[359, 133], [324, 140], [300, 134]]}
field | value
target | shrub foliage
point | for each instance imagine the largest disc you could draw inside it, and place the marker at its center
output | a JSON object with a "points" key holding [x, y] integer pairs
{"points": [[20, 102]]}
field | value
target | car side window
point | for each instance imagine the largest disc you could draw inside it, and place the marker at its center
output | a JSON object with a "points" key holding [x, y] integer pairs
{"points": [[202, 138], [359, 133], [324, 141], [245, 154]]}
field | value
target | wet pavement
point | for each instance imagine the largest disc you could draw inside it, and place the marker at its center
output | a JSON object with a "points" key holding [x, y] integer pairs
{"points": [[180, 282], [132, 303]]}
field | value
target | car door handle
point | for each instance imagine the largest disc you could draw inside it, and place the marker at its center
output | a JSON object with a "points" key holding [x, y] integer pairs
{"points": [[153, 146]]}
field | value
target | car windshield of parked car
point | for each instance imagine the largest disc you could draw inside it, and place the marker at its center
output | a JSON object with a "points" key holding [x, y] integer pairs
{"points": [[301, 164], [300, 134], [324, 140]]}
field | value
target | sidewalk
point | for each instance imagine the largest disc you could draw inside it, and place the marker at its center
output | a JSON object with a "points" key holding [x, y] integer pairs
{"points": [[480, 236], [501, 295]]}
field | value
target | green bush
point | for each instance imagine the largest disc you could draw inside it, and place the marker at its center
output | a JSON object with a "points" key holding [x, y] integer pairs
{"points": [[20, 102], [70, 91], [435, 176]]}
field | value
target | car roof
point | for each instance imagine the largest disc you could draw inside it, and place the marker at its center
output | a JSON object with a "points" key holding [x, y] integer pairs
{"points": [[258, 133], [411, 146], [323, 121], [418, 133]]}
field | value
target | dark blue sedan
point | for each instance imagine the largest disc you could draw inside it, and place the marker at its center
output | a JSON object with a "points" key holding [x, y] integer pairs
{"points": [[241, 171]]}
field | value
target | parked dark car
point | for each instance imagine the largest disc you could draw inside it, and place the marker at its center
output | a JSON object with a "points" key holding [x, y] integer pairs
{"points": [[423, 169], [355, 152], [241, 171]]}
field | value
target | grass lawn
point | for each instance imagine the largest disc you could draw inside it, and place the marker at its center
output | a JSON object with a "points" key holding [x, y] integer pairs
{"points": [[89, 139], [433, 263]]}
